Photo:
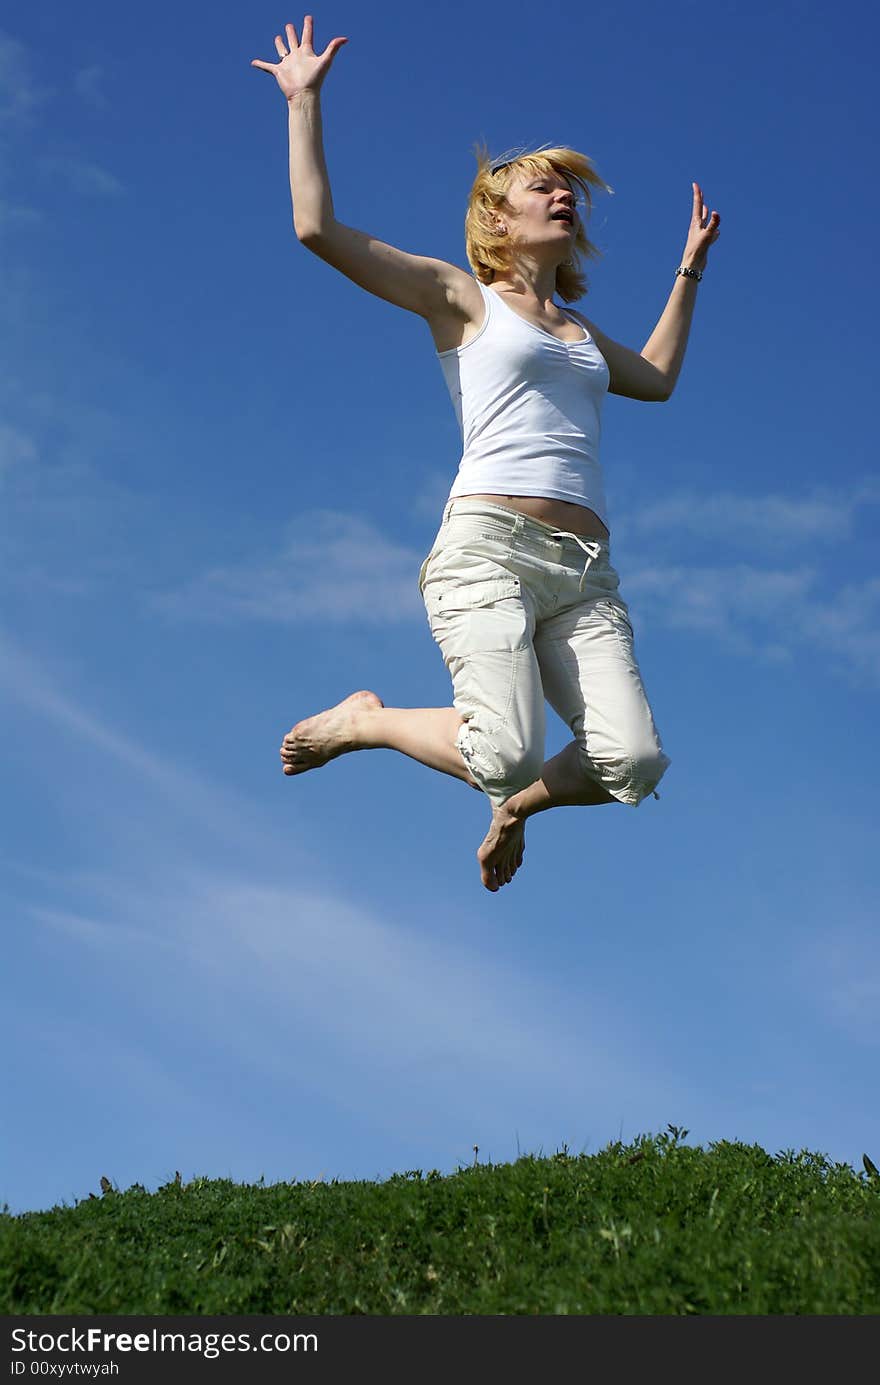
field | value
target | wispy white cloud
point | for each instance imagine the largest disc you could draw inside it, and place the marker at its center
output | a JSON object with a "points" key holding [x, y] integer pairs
{"points": [[67, 524], [725, 602], [207, 802], [772, 519], [766, 613], [340, 567], [332, 566], [840, 973], [88, 84], [25, 679], [20, 93], [23, 97], [847, 627], [16, 216], [308, 971], [83, 175], [16, 447], [313, 966], [431, 499]]}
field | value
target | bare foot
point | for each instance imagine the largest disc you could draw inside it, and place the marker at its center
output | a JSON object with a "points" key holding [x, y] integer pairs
{"points": [[321, 738], [501, 853]]}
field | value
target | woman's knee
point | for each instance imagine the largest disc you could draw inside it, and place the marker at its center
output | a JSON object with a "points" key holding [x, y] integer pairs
{"points": [[648, 767], [630, 774], [499, 760]]}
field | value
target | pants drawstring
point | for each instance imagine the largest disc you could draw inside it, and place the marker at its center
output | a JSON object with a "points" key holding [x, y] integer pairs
{"points": [[590, 547]]}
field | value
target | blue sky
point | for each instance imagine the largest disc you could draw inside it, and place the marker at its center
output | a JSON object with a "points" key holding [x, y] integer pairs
{"points": [[222, 464]]}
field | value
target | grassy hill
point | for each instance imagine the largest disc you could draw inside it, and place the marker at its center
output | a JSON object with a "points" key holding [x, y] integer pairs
{"points": [[656, 1226]]}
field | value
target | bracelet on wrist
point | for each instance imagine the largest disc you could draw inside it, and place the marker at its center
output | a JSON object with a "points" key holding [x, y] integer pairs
{"points": [[690, 273]]}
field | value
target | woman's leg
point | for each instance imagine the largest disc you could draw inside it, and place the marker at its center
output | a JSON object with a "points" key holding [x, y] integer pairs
{"points": [[428, 734], [562, 785], [592, 679], [499, 689], [362, 722]]}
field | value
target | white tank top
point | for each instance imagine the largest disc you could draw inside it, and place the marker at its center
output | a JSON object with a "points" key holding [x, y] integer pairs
{"points": [[529, 408]]}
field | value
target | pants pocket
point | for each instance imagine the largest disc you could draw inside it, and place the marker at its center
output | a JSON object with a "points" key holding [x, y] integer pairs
{"points": [[617, 611], [478, 617]]}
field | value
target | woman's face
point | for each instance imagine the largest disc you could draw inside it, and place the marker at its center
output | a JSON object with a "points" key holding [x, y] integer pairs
{"points": [[540, 203]]}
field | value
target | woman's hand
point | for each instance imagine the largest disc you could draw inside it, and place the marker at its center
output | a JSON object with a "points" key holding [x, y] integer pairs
{"points": [[703, 233], [301, 69]]}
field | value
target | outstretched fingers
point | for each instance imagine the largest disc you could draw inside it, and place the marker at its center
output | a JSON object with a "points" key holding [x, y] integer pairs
{"points": [[280, 49], [701, 211], [299, 67]]}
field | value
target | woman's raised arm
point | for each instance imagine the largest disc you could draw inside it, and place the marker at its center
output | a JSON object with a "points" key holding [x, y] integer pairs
{"points": [[415, 282], [300, 74]]}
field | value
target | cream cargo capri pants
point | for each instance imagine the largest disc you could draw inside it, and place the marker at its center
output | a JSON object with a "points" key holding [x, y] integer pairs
{"points": [[524, 612]]}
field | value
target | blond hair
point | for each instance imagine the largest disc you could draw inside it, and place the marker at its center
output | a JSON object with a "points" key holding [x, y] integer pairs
{"points": [[488, 252]]}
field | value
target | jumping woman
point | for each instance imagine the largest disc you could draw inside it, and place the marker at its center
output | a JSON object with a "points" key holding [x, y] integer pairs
{"points": [[519, 588]]}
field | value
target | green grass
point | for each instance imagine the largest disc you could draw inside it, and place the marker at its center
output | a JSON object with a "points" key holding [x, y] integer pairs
{"points": [[656, 1226]]}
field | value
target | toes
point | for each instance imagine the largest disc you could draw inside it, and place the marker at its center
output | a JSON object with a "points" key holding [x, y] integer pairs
{"points": [[487, 874]]}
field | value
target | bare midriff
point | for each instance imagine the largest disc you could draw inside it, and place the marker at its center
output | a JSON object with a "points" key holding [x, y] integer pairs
{"points": [[562, 514]]}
